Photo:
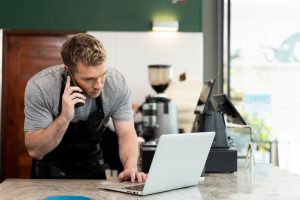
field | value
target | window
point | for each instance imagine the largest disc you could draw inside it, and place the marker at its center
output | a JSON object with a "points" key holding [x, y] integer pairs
{"points": [[264, 72]]}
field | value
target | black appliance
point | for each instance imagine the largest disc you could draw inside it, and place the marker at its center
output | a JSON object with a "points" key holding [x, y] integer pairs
{"points": [[209, 112], [209, 117]]}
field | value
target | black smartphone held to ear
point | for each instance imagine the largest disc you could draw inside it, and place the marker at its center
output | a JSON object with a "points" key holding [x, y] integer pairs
{"points": [[67, 72]]}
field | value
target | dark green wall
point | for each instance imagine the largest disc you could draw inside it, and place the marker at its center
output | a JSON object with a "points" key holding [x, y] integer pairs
{"points": [[103, 15]]}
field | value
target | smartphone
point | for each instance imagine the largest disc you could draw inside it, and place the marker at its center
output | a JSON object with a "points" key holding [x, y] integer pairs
{"points": [[67, 72]]}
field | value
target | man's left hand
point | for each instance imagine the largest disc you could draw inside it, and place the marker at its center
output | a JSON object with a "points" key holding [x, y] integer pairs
{"points": [[132, 175]]}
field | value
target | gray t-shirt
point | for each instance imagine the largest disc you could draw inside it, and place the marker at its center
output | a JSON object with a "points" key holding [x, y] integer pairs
{"points": [[42, 97]]}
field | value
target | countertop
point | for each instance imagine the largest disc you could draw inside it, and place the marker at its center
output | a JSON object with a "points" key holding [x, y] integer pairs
{"points": [[264, 181]]}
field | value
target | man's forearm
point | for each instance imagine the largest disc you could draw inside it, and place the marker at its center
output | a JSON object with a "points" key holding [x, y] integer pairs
{"points": [[42, 141], [129, 151]]}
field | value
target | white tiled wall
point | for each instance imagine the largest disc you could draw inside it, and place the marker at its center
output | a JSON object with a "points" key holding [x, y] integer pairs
{"points": [[132, 52]]}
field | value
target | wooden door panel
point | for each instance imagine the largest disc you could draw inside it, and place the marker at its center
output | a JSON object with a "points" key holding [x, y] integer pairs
{"points": [[24, 56], [32, 59]]}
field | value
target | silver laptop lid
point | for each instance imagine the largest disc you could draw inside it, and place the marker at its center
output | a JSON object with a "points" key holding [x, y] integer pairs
{"points": [[178, 161]]}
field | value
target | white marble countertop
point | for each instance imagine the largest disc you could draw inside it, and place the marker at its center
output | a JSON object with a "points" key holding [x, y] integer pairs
{"points": [[263, 182]]}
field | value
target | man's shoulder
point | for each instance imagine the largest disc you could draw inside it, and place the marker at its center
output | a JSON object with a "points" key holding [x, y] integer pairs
{"points": [[115, 85], [116, 96], [115, 80], [48, 77], [113, 73], [50, 72]]}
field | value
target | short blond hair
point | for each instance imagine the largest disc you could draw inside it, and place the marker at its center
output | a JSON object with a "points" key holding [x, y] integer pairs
{"points": [[82, 48]]}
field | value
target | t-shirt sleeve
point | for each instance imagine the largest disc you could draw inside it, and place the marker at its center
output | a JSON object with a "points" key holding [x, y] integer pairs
{"points": [[123, 111], [37, 113]]}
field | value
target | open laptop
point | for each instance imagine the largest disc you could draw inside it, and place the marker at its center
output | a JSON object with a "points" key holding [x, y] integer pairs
{"points": [[178, 162]]}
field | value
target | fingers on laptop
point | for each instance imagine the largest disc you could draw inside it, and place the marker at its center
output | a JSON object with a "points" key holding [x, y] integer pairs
{"points": [[144, 176], [136, 176], [121, 176], [140, 176], [132, 176]]}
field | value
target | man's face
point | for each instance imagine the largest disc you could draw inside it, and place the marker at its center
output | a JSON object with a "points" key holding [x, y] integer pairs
{"points": [[90, 79]]}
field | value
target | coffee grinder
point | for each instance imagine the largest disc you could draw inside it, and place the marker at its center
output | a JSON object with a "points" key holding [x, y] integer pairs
{"points": [[159, 112]]}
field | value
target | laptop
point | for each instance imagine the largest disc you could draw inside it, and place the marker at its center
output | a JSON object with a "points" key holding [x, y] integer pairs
{"points": [[178, 162]]}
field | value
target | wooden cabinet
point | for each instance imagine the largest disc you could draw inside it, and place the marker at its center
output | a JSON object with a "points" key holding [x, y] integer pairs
{"points": [[24, 55]]}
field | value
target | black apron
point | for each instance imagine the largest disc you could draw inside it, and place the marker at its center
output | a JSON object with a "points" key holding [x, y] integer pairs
{"points": [[79, 154]]}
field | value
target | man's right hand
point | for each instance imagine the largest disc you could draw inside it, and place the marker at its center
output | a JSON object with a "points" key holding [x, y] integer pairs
{"points": [[71, 96]]}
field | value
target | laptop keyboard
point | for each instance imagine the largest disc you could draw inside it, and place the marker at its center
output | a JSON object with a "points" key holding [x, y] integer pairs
{"points": [[135, 187]]}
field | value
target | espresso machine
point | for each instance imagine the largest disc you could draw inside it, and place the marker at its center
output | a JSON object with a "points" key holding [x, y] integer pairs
{"points": [[159, 112]]}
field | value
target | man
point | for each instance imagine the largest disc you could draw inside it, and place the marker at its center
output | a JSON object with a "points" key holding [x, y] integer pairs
{"points": [[65, 139]]}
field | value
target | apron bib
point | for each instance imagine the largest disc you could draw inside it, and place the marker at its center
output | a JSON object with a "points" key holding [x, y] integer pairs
{"points": [[79, 154]]}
